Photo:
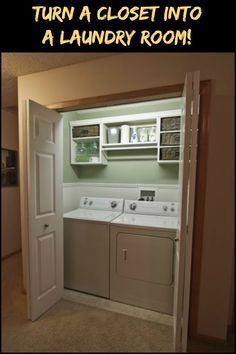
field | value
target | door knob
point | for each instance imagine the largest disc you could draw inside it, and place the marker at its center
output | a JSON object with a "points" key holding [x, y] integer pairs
{"points": [[46, 225], [176, 239]]}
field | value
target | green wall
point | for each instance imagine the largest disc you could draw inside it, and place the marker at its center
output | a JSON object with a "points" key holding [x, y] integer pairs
{"points": [[137, 171]]}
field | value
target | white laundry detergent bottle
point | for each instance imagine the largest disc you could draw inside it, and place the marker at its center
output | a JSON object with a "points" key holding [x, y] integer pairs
{"points": [[134, 135]]}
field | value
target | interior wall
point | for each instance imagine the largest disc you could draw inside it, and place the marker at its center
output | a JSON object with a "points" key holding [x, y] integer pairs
{"points": [[136, 71], [129, 171], [10, 225]]}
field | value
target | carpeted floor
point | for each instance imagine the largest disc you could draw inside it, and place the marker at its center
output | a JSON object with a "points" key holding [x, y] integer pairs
{"points": [[72, 327]]}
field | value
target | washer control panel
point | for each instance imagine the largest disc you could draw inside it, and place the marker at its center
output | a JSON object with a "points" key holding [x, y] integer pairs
{"points": [[115, 204], [151, 208]]}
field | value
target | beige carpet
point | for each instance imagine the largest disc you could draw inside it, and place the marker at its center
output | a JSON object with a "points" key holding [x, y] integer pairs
{"points": [[72, 327]]}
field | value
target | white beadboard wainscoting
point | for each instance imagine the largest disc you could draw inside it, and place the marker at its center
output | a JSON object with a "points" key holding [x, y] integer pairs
{"points": [[72, 192]]}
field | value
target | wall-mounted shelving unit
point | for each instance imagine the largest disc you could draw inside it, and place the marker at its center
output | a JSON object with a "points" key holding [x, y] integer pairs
{"points": [[147, 136], [86, 144], [137, 145], [169, 139]]}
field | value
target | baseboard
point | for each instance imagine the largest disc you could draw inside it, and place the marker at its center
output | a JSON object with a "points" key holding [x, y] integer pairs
{"points": [[10, 254]]}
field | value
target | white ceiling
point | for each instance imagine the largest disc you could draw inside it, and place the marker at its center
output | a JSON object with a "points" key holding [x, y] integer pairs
{"points": [[17, 64]]}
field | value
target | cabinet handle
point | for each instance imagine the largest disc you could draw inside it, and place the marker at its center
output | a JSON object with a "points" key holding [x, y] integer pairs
{"points": [[125, 253], [46, 225]]}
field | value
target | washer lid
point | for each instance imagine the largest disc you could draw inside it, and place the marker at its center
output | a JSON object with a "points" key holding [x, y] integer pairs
{"points": [[160, 222], [96, 215]]}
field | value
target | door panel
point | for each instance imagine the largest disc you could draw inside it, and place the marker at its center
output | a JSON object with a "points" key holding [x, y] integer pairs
{"points": [[45, 208], [45, 179], [46, 262], [44, 129], [187, 174]]}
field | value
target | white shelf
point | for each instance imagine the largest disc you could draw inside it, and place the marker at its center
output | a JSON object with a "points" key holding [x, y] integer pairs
{"points": [[132, 158], [168, 161], [143, 125], [86, 138], [130, 146], [168, 146], [169, 131], [88, 163]]}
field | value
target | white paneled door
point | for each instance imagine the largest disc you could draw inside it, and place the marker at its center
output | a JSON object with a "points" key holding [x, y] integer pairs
{"points": [[45, 284], [187, 179]]}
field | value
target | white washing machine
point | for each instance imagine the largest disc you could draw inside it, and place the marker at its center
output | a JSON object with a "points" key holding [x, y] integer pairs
{"points": [[142, 255], [87, 245]]}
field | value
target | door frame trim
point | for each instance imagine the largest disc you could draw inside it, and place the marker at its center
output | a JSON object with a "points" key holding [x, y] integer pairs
{"points": [[120, 98], [166, 92]]}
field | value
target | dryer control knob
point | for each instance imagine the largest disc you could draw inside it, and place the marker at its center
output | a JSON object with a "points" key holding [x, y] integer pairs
{"points": [[91, 202], [133, 206], [113, 204], [172, 209], [165, 207]]}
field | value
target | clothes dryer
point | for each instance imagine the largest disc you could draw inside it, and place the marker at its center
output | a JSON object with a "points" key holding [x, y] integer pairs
{"points": [[142, 255]]}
